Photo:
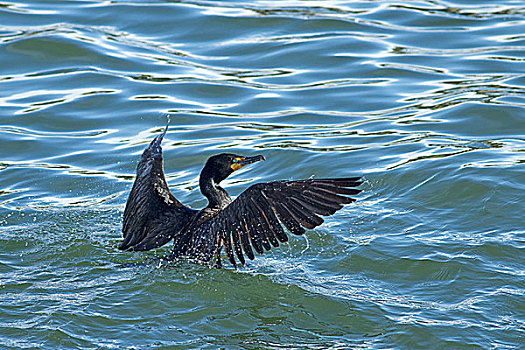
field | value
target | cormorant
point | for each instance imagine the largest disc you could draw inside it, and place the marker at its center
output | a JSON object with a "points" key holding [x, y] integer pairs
{"points": [[153, 216]]}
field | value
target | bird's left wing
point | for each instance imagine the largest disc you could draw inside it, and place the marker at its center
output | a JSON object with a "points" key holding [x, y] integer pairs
{"points": [[254, 218], [153, 216]]}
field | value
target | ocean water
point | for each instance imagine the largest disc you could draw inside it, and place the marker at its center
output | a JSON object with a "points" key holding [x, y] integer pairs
{"points": [[424, 99]]}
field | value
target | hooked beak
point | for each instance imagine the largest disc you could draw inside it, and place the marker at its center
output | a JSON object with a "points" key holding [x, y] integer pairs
{"points": [[240, 162]]}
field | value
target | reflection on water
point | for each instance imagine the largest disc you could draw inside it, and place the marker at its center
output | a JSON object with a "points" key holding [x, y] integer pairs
{"points": [[425, 99]]}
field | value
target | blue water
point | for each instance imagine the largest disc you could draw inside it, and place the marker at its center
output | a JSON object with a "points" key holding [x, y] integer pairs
{"points": [[425, 99]]}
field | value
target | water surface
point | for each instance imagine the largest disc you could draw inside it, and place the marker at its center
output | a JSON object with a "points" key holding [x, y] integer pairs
{"points": [[425, 99]]}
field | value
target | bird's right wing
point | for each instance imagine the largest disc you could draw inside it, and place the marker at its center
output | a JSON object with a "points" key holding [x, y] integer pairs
{"points": [[153, 216], [254, 218]]}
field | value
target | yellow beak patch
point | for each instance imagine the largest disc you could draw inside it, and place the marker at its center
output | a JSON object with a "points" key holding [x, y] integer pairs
{"points": [[236, 165]]}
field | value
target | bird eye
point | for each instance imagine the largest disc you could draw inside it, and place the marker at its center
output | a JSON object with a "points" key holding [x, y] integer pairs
{"points": [[234, 160]]}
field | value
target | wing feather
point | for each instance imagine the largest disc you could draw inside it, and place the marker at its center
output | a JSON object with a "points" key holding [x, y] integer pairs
{"points": [[272, 218], [288, 220], [153, 216], [266, 224], [245, 238], [256, 235], [255, 218], [306, 217], [262, 226], [235, 233]]}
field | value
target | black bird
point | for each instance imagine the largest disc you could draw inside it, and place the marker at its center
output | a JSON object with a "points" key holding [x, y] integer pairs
{"points": [[153, 216]]}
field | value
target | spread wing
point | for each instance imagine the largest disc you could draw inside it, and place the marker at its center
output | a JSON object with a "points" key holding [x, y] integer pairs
{"points": [[153, 216], [254, 218]]}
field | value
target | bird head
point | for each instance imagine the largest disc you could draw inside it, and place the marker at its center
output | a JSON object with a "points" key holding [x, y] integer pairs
{"points": [[220, 166]]}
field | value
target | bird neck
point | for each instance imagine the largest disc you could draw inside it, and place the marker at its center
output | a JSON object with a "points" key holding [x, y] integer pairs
{"points": [[217, 196]]}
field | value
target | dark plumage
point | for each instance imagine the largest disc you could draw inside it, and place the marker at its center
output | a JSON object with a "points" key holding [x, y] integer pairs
{"points": [[153, 216]]}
